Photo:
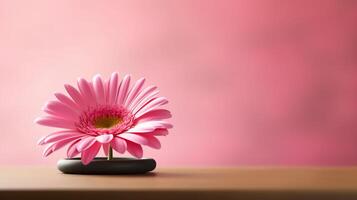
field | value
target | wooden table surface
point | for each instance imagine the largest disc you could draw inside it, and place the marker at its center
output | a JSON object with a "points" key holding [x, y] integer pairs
{"points": [[181, 183]]}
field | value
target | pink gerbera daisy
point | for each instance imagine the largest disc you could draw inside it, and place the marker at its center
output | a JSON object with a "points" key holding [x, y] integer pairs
{"points": [[108, 114]]}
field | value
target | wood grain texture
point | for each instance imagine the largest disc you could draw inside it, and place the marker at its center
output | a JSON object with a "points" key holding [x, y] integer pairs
{"points": [[171, 183]]}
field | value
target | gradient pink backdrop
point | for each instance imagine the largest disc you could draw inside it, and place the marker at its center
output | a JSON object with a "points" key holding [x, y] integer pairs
{"points": [[250, 82]]}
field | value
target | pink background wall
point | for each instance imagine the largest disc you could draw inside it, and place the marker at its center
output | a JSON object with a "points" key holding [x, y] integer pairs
{"points": [[250, 82]]}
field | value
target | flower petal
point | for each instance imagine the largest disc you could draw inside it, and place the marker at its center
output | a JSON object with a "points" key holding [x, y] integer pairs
{"points": [[139, 139], [42, 140], [134, 91], [59, 109], [143, 139], [55, 122], [85, 143], [113, 88], [142, 94], [67, 101], [134, 149], [150, 97], [158, 132], [153, 142], [149, 126], [86, 91], [99, 89], [48, 150], [75, 95], [104, 138], [123, 90], [55, 146], [60, 135], [118, 145], [105, 148], [152, 105], [72, 149], [89, 154], [157, 114]]}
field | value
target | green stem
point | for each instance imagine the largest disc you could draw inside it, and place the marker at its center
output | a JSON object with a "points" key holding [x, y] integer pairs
{"points": [[110, 153]]}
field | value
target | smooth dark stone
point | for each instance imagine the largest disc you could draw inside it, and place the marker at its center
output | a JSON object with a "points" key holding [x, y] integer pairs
{"points": [[103, 166]]}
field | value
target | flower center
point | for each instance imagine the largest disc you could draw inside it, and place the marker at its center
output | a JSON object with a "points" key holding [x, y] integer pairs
{"points": [[107, 121], [100, 120]]}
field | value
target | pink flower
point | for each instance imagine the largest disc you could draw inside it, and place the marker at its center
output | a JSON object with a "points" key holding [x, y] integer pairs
{"points": [[108, 114]]}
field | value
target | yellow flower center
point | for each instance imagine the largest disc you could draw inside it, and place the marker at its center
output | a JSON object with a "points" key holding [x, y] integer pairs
{"points": [[107, 121]]}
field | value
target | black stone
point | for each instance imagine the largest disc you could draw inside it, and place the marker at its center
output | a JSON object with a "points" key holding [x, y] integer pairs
{"points": [[101, 165]]}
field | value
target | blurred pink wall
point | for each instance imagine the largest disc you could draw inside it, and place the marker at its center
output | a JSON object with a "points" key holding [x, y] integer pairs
{"points": [[250, 82]]}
